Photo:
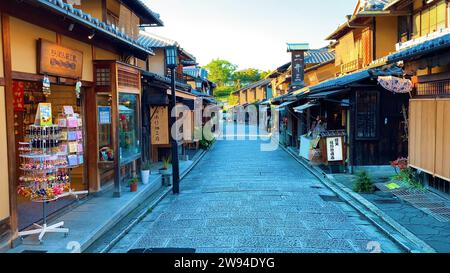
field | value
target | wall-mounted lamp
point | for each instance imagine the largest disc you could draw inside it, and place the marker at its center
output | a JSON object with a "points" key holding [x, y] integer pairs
{"points": [[71, 26], [92, 35]]}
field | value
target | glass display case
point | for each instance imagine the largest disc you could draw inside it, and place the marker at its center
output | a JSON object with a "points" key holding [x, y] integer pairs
{"points": [[129, 141]]}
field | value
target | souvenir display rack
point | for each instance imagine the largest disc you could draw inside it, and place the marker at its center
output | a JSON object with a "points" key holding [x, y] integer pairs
{"points": [[45, 169], [44, 176]]}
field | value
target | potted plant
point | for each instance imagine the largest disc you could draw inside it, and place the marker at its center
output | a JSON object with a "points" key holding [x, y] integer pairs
{"points": [[165, 170], [134, 184], [145, 173]]}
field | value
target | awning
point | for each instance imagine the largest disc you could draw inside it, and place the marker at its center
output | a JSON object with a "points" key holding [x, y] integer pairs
{"points": [[285, 104], [346, 80], [323, 95], [302, 108]]}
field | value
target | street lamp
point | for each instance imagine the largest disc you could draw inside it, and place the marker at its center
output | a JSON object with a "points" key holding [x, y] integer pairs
{"points": [[172, 63]]}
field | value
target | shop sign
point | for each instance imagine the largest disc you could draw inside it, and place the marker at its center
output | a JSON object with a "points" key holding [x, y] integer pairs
{"points": [[59, 61], [335, 149], [104, 115], [298, 68], [160, 125], [18, 96]]}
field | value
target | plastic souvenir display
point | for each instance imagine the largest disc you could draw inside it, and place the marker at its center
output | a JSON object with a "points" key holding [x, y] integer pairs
{"points": [[71, 137], [43, 166]]}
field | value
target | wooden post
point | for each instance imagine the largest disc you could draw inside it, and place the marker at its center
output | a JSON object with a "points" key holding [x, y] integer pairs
{"points": [[91, 140], [11, 139], [115, 128]]}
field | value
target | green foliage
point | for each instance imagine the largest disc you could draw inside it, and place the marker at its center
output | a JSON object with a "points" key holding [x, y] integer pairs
{"points": [[220, 71], [133, 181], [166, 162], [363, 183], [206, 144], [233, 100], [223, 91], [146, 166], [247, 76], [407, 177], [228, 79]]}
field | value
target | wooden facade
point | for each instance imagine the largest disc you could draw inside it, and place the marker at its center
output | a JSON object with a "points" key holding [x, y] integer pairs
{"points": [[22, 25]]}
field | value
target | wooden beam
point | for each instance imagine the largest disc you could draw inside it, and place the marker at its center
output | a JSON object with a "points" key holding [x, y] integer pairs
{"points": [[11, 138]]}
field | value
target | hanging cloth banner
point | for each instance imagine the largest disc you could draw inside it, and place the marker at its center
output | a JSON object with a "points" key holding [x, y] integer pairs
{"points": [[395, 84]]}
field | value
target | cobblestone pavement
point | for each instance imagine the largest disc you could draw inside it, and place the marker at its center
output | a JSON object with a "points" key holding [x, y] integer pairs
{"points": [[239, 199]]}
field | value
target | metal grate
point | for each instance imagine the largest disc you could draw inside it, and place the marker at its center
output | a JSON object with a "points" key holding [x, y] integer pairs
{"points": [[331, 198], [433, 88], [428, 202]]}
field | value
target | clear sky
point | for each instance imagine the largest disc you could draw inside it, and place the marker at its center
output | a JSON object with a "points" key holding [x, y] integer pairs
{"points": [[249, 33]]}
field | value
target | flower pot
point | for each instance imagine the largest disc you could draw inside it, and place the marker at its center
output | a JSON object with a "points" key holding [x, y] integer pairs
{"points": [[145, 176], [134, 187]]}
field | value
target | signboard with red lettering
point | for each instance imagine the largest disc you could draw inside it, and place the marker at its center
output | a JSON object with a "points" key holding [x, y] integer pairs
{"points": [[18, 96], [60, 61]]}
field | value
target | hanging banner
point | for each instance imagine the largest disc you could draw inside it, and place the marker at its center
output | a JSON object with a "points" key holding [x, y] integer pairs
{"points": [[298, 68], [59, 61], [159, 125], [395, 84], [335, 149]]}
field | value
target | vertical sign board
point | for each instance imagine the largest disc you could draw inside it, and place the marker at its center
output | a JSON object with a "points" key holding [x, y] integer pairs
{"points": [[57, 60], [104, 115], [335, 149], [298, 68], [160, 125]]}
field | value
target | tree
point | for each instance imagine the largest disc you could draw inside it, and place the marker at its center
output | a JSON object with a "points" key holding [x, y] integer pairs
{"points": [[246, 77], [221, 72]]}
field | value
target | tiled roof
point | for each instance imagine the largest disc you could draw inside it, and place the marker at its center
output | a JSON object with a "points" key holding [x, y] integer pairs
{"points": [[317, 56], [423, 48], [373, 5], [155, 41], [254, 85], [164, 79], [155, 17], [196, 72], [87, 19], [343, 81]]}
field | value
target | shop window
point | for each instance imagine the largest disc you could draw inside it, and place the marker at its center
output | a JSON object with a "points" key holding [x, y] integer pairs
{"points": [[367, 105], [129, 127], [102, 76], [105, 146], [430, 20]]}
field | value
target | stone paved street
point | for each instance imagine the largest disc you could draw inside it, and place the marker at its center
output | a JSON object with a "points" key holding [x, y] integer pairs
{"points": [[239, 199]]}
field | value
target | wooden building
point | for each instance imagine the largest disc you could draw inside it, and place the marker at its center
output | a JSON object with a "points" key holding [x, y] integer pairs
{"points": [[93, 44], [424, 52]]}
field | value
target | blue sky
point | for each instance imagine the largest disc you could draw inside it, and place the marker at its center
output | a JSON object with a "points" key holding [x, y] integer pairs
{"points": [[249, 33]]}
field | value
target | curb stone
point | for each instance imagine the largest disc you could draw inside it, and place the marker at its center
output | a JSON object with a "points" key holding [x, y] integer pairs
{"points": [[403, 237]]}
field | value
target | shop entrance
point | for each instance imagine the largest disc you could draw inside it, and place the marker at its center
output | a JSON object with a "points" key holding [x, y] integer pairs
{"points": [[61, 95]]}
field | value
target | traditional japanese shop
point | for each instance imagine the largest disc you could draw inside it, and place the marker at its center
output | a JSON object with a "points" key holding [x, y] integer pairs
{"points": [[73, 123]]}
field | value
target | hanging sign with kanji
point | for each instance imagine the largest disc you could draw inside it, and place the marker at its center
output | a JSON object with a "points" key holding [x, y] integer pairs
{"points": [[160, 125], [335, 149], [18, 96]]}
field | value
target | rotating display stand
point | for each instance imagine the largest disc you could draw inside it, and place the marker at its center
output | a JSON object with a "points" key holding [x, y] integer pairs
{"points": [[45, 173]]}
